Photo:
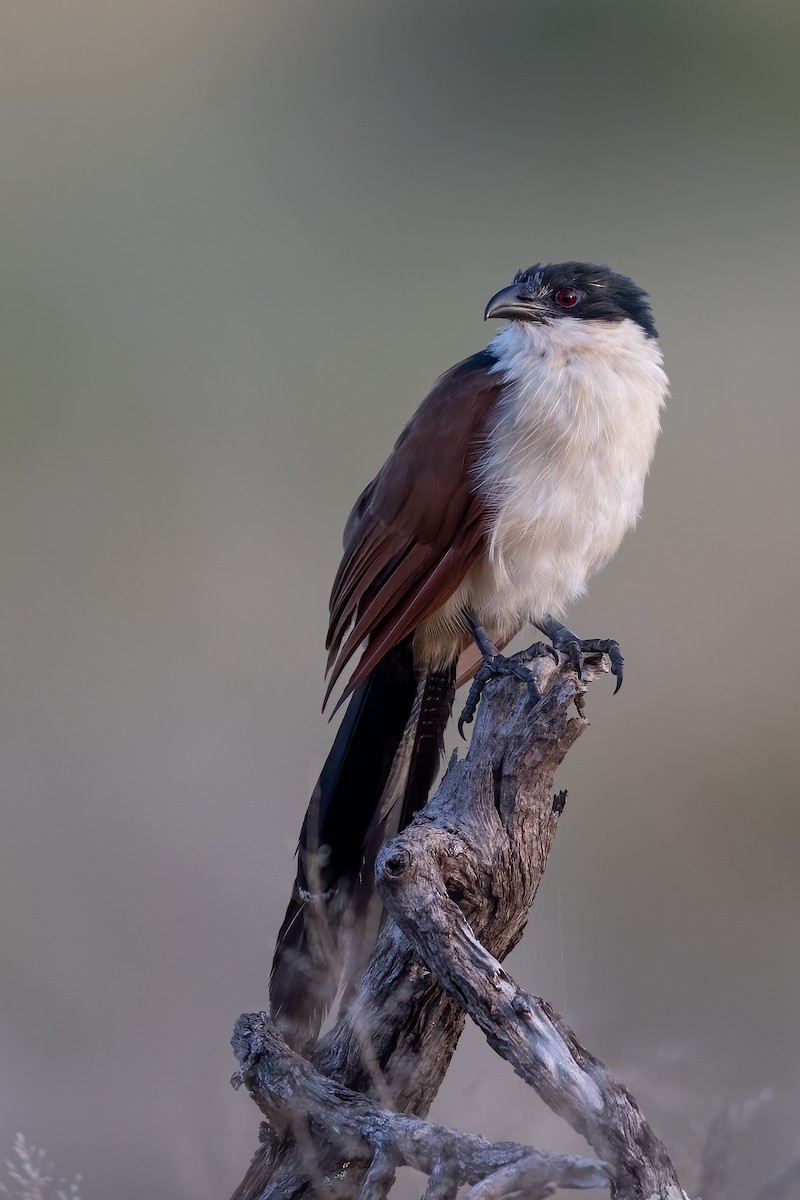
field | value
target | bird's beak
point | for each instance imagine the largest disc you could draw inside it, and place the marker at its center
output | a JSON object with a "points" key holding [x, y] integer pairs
{"points": [[509, 304]]}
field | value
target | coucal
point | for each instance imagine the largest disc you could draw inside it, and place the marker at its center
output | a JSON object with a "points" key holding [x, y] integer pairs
{"points": [[512, 484]]}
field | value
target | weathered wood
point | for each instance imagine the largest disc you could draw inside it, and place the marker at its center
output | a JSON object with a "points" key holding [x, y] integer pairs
{"points": [[459, 883], [401, 1011], [523, 1029], [342, 1124]]}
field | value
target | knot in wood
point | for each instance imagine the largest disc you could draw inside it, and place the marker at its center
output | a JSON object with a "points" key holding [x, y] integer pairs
{"points": [[395, 862], [521, 1006]]}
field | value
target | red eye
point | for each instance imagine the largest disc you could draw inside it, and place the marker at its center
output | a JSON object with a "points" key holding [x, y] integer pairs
{"points": [[567, 297]]}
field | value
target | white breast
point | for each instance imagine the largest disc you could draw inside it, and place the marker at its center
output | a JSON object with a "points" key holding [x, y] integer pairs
{"points": [[564, 467]]}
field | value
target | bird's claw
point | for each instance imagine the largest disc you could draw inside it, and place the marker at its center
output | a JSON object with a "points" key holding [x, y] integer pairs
{"points": [[479, 681], [496, 665], [574, 648], [611, 648], [537, 650]]}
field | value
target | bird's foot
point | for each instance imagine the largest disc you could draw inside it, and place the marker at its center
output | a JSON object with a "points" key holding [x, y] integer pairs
{"points": [[574, 649], [496, 665]]}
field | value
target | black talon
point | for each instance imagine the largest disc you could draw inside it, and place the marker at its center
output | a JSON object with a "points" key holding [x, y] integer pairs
{"points": [[494, 667], [496, 664], [574, 648], [611, 648], [571, 647], [537, 650], [480, 679]]}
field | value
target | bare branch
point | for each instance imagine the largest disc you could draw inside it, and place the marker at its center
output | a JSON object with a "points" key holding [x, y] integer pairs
{"points": [[459, 883], [525, 1030], [343, 1126], [443, 1182]]}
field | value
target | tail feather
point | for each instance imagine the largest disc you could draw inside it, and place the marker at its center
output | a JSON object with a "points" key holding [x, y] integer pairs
{"points": [[379, 771], [416, 761]]}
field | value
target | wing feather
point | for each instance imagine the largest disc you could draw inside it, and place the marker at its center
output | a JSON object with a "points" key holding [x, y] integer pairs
{"points": [[416, 530]]}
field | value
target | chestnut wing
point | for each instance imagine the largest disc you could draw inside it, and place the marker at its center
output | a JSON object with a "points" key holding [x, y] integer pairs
{"points": [[418, 527]]}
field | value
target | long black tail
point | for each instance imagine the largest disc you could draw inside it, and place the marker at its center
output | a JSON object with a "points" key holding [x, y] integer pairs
{"points": [[380, 769]]}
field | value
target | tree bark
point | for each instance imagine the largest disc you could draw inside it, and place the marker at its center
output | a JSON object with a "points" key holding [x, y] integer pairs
{"points": [[457, 885]]}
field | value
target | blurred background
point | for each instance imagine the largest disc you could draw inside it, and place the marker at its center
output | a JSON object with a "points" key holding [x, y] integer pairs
{"points": [[239, 241]]}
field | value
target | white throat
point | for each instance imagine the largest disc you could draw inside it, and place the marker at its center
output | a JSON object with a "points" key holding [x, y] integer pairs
{"points": [[563, 470], [567, 457]]}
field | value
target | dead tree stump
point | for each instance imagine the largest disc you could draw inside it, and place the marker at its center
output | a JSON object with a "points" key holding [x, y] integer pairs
{"points": [[457, 885]]}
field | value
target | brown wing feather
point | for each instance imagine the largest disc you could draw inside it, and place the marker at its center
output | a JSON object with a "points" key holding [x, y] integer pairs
{"points": [[388, 552], [418, 527], [431, 595]]}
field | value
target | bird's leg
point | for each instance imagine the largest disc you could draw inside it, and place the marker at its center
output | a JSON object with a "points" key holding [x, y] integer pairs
{"points": [[496, 664], [574, 647]]}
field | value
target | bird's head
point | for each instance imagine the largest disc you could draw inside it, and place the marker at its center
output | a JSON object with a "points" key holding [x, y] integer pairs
{"points": [[579, 291]]}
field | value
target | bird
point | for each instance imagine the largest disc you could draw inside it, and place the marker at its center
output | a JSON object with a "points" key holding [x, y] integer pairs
{"points": [[511, 485]]}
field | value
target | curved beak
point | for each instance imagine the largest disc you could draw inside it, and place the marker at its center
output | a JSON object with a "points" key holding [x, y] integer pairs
{"points": [[508, 303]]}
